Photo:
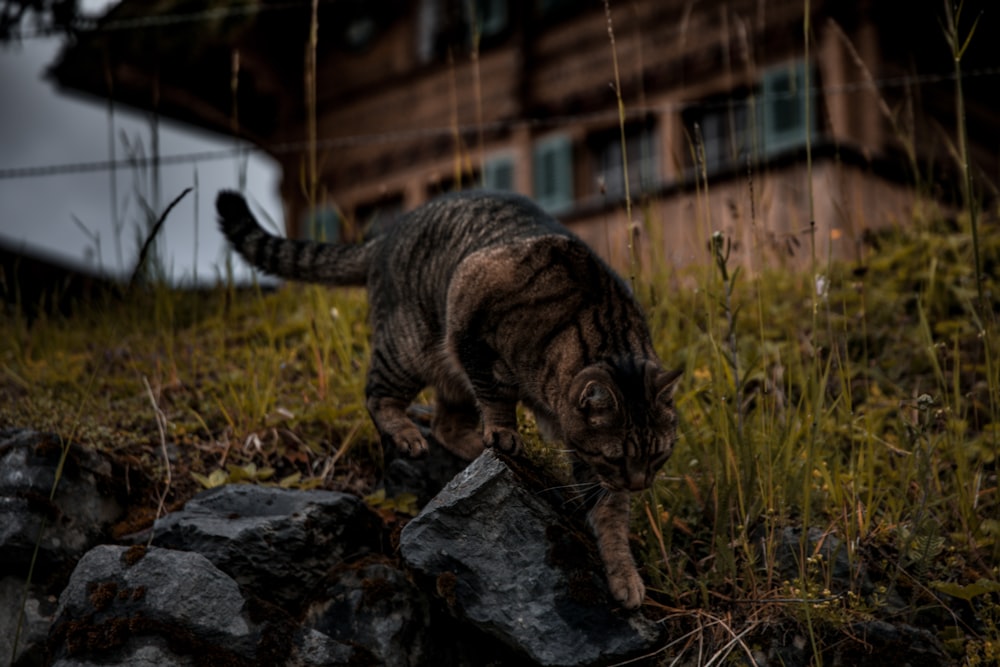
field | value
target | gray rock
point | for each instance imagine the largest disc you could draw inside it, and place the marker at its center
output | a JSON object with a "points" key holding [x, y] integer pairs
{"points": [[127, 606], [279, 543], [37, 608], [144, 653], [64, 527], [504, 560], [312, 648], [374, 605]]}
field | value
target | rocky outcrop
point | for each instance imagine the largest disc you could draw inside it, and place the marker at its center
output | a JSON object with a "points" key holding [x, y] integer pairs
{"points": [[254, 557], [506, 562], [251, 575], [494, 571]]}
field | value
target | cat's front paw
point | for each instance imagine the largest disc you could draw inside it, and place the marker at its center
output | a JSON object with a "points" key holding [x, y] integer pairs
{"points": [[503, 439], [627, 588]]}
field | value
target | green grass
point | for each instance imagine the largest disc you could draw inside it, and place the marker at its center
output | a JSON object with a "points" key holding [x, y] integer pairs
{"points": [[242, 377], [877, 427]]}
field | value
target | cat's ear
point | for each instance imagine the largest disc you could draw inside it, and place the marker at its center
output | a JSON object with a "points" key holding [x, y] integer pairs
{"points": [[666, 386], [595, 396], [598, 403]]}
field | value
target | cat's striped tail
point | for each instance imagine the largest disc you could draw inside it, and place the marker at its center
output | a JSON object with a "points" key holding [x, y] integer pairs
{"points": [[306, 261]]}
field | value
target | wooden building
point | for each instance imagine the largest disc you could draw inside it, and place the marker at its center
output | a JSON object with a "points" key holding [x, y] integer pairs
{"points": [[745, 116]]}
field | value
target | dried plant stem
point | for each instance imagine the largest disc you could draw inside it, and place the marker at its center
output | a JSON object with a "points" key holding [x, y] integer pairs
{"points": [[477, 87], [958, 46], [116, 223], [987, 319], [629, 224], [161, 426], [903, 137], [456, 131], [312, 174], [152, 237]]}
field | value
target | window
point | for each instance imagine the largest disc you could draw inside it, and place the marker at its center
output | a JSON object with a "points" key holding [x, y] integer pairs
{"points": [[721, 130], [788, 110], [641, 153], [321, 224], [445, 26], [498, 173], [728, 132], [552, 173], [490, 17]]}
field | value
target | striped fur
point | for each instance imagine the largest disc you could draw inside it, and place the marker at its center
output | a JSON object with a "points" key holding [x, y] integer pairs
{"points": [[490, 301]]}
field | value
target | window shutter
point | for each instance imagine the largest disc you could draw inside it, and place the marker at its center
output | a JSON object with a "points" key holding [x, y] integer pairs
{"points": [[498, 174], [491, 17], [322, 224], [785, 116], [552, 173]]}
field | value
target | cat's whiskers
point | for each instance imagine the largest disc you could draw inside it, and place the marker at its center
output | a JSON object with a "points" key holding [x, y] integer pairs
{"points": [[581, 486], [595, 495], [577, 494]]}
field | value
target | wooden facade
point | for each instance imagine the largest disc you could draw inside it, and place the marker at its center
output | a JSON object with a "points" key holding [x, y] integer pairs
{"points": [[731, 119]]}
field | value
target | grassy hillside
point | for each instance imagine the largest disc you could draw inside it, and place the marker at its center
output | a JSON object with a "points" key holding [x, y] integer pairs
{"points": [[860, 402]]}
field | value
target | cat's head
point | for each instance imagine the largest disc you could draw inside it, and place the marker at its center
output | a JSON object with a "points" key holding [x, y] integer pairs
{"points": [[621, 421]]}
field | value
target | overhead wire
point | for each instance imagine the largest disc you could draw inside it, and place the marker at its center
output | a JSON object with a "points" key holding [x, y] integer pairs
{"points": [[402, 136]]}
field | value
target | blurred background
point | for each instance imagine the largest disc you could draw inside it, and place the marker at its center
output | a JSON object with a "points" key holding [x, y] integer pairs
{"points": [[645, 123]]}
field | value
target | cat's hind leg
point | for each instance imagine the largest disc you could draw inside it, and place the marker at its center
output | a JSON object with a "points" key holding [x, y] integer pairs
{"points": [[389, 391], [495, 398], [456, 422]]}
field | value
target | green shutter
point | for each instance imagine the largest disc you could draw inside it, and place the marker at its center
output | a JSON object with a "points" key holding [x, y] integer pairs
{"points": [[321, 224], [498, 174], [786, 115], [552, 173], [491, 17]]}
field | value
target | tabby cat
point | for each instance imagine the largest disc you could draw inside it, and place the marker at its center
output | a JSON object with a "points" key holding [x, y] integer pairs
{"points": [[490, 301]]}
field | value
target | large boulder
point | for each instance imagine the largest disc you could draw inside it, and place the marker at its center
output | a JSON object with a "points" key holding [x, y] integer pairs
{"points": [[278, 543], [506, 561], [57, 500], [55, 495], [128, 606]]}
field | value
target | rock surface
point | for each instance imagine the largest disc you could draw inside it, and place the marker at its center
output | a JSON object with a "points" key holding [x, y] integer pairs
{"points": [[119, 596], [505, 561], [278, 543], [373, 604], [37, 609], [63, 519]]}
